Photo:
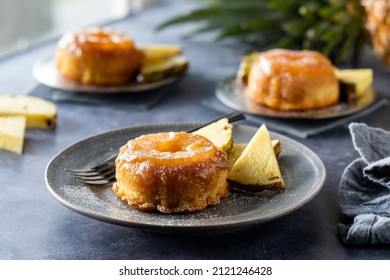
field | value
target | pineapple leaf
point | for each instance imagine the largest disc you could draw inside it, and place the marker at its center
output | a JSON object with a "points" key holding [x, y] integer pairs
{"points": [[204, 29], [295, 27], [231, 10], [285, 43], [285, 6], [333, 27]]}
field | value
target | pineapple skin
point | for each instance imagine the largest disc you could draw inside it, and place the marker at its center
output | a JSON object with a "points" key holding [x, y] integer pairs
{"points": [[377, 24]]}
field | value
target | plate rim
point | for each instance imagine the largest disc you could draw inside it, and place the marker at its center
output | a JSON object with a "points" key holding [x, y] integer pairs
{"points": [[127, 88], [189, 228], [282, 114]]}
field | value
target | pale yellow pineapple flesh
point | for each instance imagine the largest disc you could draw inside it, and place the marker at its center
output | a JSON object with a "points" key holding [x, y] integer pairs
{"points": [[160, 62], [157, 53], [171, 66], [12, 130], [358, 80], [220, 133], [239, 148], [39, 113], [245, 66], [257, 167]]}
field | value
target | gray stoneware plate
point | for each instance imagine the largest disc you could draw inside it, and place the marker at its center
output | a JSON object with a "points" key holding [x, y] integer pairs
{"points": [[303, 172], [46, 73], [232, 94]]}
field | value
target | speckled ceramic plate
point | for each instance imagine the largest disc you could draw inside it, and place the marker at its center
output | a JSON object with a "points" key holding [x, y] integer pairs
{"points": [[232, 94], [46, 73], [303, 172]]}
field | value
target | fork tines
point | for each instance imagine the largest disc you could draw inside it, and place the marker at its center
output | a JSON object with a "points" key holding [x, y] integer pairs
{"points": [[99, 177], [99, 168]]}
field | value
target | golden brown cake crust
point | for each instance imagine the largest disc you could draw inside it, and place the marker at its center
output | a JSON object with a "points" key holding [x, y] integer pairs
{"points": [[171, 172], [98, 56], [293, 80]]}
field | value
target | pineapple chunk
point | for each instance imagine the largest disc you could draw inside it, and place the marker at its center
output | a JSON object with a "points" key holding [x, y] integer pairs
{"points": [[354, 82], [39, 113], [245, 66], [257, 168], [239, 148], [161, 62], [157, 53], [170, 67], [12, 131], [220, 133]]}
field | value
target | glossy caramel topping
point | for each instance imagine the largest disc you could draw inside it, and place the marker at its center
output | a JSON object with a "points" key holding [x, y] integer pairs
{"points": [[310, 64], [171, 148], [95, 40], [306, 63]]}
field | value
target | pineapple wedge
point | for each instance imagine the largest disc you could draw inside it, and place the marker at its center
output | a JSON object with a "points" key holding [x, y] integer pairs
{"points": [[161, 62], [39, 113], [12, 130], [220, 133], [257, 167], [354, 82], [156, 53], [245, 66], [239, 148], [170, 67]]}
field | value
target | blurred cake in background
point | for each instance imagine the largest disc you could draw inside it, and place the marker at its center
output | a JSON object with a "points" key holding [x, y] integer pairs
{"points": [[98, 56]]}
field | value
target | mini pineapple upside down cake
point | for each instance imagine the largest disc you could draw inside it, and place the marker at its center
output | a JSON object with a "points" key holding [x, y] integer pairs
{"points": [[171, 172], [292, 80]]}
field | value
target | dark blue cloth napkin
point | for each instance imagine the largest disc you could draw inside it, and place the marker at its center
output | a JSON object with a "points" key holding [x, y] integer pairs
{"points": [[365, 188]]}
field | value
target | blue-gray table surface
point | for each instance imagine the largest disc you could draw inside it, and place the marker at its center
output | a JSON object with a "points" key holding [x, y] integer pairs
{"points": [[33, 225]]}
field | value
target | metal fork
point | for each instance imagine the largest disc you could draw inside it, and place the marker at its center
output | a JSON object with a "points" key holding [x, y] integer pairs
{"points": [[103, 174]]}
